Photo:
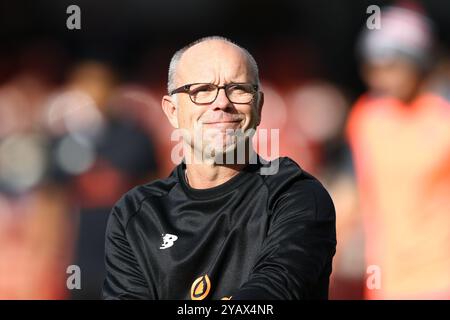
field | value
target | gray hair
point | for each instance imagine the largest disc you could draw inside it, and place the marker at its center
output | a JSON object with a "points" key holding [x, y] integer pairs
{"points": [[177, 56]]}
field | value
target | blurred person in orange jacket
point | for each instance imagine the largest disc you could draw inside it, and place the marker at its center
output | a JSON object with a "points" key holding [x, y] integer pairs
{"points": [[399, 134]]}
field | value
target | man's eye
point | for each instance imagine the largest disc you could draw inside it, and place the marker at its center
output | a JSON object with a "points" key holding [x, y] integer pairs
{"points": [[202, 88], [238, 88]]}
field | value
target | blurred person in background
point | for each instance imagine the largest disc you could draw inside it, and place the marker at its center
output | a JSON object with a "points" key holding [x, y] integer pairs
{"points": [[399, 134], [35, 221], [98, 153], [143, 109]]}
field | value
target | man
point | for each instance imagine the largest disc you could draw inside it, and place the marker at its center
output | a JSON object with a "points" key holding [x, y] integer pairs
{"points": [[214, 229], [399, 134]]}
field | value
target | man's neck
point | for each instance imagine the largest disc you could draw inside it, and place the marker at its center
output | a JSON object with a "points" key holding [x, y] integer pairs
{"points": [[209, 174], [204, 176]]}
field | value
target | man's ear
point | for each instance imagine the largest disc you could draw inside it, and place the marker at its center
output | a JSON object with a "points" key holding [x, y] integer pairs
{"points": [[170, 109], [259, 106]]}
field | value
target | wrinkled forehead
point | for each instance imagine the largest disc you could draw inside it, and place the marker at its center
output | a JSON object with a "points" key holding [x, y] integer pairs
{"points": [[214, 61]]}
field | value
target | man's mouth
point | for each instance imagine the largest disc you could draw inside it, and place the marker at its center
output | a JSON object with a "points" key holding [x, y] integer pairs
{"points": [[226, 121], [228, 124]]}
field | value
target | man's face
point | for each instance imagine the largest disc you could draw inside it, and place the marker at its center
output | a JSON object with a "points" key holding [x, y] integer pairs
{"points": [[215, 124]]}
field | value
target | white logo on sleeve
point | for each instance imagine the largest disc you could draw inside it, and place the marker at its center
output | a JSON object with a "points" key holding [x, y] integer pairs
{"points": [[168, 240]]}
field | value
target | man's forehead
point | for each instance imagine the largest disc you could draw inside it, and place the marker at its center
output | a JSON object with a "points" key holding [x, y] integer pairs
{"points": [[205, 58]]}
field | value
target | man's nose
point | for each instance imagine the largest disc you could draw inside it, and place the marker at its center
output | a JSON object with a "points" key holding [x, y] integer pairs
{"points": [[222, 101]]}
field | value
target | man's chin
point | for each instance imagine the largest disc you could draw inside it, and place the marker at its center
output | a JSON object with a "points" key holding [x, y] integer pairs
{"points": [[220, 150], [225, 154]]}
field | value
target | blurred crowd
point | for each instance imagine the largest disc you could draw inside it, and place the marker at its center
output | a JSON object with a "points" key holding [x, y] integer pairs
{"points": [[75, 137]]}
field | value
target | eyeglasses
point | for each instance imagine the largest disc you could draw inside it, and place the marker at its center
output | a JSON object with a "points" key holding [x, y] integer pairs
{"points": [[206, 93]]}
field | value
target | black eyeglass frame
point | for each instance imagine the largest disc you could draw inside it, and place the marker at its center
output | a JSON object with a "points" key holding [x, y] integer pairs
{"points": [[185, 89]]}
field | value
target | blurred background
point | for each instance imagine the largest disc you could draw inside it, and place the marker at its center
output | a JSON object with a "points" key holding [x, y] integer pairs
{"points": [[366, 111]]}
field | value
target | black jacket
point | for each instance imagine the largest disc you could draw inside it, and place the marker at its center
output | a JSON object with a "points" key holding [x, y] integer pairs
{"points": [[254, 237]]}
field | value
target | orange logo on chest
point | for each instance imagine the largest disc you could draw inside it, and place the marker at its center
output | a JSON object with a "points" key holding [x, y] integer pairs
{"points": [[200, 288]]}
